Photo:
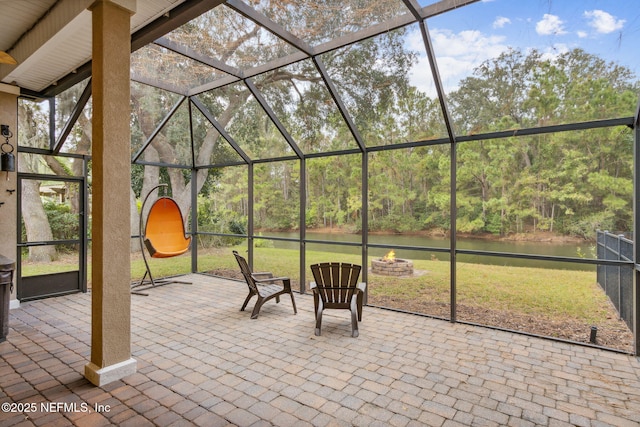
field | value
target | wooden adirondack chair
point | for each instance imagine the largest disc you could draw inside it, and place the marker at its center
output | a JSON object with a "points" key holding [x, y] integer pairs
{"points": [[264, 286], [336, 286]]}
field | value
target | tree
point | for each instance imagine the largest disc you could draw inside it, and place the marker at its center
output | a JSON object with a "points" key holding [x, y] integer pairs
{"points": [[553, 182], [31, 121], [565, 182]]}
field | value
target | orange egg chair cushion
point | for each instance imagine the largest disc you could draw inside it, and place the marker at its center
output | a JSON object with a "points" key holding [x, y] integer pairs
{"points": [[164, 234]]}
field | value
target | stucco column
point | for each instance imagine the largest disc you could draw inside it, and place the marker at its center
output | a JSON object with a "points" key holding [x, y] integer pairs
{"points": [[111, 162], [8, 181]]}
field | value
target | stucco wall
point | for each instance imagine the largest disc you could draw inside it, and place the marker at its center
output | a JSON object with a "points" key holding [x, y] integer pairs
{"points": [[8, 209]]}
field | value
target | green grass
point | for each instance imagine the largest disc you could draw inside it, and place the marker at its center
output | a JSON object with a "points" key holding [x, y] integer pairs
{"points": [[547, 292], [159, 267], [554, 294]]}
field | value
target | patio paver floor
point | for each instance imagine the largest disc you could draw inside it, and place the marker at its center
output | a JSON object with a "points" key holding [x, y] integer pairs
{"points": [[203, 362]]}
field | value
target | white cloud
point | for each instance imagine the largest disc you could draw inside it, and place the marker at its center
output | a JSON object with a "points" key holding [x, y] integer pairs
{"points": [[501, 21], [414, 41], [468, 43], [603, 22], [550, 25], [457, 55], [582, 34], [553, 52]]}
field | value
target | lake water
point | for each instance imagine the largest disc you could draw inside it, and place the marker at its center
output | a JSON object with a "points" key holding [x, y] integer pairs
{"points": [[575, 250]]}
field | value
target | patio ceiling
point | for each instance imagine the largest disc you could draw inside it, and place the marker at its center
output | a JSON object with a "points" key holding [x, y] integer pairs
{"points": [[51, 39]]}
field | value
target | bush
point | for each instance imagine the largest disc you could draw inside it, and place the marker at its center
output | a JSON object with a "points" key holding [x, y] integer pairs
{"points": [[237, 227], [586, 227], [64, 224]]}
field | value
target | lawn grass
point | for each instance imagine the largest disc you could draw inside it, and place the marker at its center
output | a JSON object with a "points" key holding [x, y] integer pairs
{"points": [[551, 293], [554, 294]]}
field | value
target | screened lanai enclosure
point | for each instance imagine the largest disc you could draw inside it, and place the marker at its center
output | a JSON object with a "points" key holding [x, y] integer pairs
{"points": [[485, 144]]}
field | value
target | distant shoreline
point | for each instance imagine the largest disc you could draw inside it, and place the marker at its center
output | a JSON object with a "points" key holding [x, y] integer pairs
{"points": [[538, 236]]}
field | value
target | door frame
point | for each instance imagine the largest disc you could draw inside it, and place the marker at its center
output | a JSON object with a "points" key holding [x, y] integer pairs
{"points": [[54, 284]]}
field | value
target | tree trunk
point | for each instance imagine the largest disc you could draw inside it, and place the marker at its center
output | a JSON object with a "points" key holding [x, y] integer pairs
{"points": [[36, 222], [84, 147], [35, 219], [160, 149]]}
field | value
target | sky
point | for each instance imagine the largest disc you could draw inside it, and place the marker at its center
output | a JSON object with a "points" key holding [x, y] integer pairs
{"points": [[464, 38]]}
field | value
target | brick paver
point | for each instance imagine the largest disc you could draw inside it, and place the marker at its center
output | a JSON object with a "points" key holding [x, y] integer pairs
{"points": [[203, 362]]}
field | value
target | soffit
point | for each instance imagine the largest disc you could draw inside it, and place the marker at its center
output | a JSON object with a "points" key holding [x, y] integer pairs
{"points": [[51, 39]]}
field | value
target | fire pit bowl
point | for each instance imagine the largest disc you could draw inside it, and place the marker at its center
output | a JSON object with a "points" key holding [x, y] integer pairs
{"points": [[389, 265]]}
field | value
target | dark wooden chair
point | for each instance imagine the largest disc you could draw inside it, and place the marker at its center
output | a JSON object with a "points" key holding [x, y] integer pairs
{"points": [[264, 286], [336, 286]]}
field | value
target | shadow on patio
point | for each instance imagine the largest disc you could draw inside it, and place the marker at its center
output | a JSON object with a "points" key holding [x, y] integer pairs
{"points": [[203, 362]]}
